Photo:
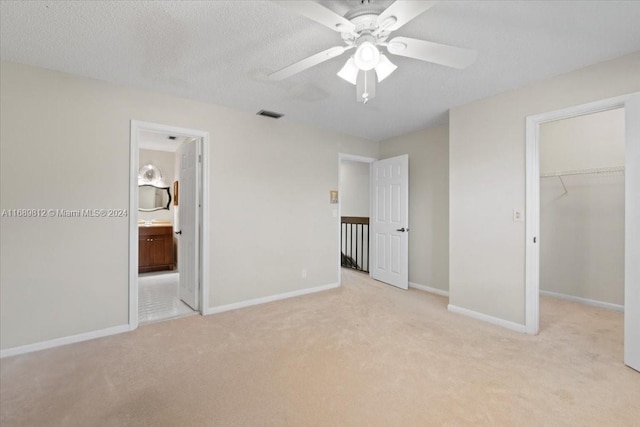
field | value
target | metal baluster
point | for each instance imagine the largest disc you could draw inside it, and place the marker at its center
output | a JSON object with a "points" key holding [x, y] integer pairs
{"points": [[368, 251], [351, 242], [356, 258]]}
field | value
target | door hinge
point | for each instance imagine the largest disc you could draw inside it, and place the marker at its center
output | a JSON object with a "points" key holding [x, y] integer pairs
{"points": [[199, 158]]}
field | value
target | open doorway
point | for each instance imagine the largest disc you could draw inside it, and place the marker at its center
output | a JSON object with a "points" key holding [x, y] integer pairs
{"points": [[386, 252], [158, 228], [631, 105], [168, 254], [354, 212], [582, 209]]}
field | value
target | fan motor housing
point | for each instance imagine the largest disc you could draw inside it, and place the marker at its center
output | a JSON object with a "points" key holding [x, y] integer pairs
{"points": [[367, 22], [368, 9]]}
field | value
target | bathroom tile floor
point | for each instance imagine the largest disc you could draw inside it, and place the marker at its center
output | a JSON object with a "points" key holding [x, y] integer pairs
{"points": [[158, 297]]}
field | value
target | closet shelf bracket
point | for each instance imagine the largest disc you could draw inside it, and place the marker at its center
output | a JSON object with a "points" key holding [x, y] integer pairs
{"points": [[563, 186]]}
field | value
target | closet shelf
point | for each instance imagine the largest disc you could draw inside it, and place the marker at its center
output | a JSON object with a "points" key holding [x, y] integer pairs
{"points": [[593, 171], [614, 170]]}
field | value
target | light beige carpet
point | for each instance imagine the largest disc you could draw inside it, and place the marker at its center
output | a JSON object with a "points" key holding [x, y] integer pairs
{"points": [[362, 355]]}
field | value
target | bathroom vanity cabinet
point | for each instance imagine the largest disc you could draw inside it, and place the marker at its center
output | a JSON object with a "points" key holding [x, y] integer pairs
{"points": [[155, 248]]}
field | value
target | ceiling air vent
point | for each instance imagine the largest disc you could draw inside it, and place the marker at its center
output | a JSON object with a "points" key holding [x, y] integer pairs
{"points": [[268, 113]]}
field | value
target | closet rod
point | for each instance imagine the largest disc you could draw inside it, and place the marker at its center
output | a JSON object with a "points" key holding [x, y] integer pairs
{"points": [[593, 171]]}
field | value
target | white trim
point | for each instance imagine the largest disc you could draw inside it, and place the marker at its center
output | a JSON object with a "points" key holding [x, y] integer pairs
{"points": [[355, 158], [586, 301], [204, 226], [350, 158], [532, 227], [486, 318], [136, 127], [429, 289], [43, 345], [632, 234], [271, 298], [133, 225], [532, 197]]}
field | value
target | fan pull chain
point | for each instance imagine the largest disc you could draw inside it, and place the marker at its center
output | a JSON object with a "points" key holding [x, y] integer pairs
{"points": [[365, 94]]}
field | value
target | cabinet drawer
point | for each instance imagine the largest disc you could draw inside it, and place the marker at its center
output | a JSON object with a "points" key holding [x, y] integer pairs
{"points": [[155, 230]]}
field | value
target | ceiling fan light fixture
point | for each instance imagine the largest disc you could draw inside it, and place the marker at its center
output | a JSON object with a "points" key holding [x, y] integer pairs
{"points": [[367, 56], [384, 68], [349, 72]]}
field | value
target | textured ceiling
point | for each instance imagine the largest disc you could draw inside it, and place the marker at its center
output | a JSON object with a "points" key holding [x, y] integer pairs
{"points": [[220, 52]]}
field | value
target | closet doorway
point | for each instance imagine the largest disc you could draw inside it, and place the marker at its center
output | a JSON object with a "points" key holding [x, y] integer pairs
{"points": [[168, 255], [582, 209], [630, 104]]}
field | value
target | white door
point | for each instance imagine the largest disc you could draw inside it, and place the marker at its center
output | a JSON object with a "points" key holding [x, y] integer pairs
{"points": [[390, 221], [188, 222], [632, 235]]}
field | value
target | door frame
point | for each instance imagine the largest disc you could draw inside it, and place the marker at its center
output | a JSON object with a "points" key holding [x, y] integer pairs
{"points": [[532, 197], [350, 158], [136, 127]]}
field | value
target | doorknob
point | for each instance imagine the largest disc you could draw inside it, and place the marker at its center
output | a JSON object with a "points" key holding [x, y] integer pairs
{"points": [[179, 232], [402, 229]]}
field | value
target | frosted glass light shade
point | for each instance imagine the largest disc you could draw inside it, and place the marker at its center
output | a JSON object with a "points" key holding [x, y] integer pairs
{"points": [[367, 56], [349, 72], [384, 68]]}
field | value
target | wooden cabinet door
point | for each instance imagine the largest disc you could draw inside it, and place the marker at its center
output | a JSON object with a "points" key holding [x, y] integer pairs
{"points": [[155, 249], [159, 250], [144, 255]]}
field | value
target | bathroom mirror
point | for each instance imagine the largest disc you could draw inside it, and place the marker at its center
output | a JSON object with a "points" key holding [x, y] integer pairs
{"points": [[152, 198]]}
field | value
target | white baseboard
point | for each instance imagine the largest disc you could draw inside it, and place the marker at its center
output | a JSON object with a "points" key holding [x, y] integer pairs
{"points": [[601, 304], [489, 319], [14, 351], [429, 289], [256, 301]]}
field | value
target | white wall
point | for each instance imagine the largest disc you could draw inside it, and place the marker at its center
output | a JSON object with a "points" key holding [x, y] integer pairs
{"points": [[487, 181], [428, 152], [354, 188], [583, 142], [166, 162], [582, 230], [70, 136]]}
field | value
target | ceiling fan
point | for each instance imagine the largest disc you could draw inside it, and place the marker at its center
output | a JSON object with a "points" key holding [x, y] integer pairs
{"points": [[365, 29]]}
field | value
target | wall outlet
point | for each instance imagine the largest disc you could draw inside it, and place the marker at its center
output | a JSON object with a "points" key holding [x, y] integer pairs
{"points": [[518, 216], [304, 273]]}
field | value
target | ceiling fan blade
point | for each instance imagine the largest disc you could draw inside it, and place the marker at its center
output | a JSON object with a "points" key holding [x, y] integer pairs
{"points": [[309, 62], [320, 14], [437, 53], [403, 11]]}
